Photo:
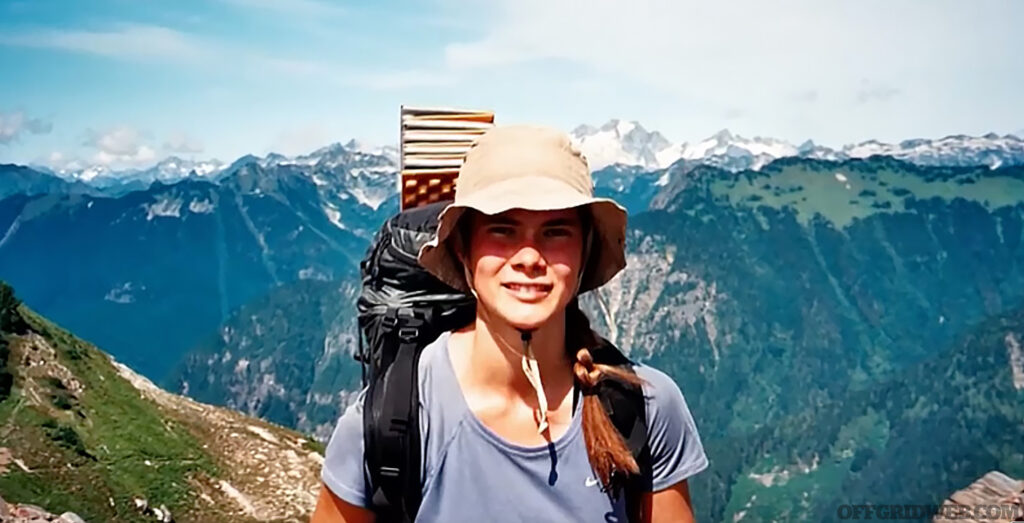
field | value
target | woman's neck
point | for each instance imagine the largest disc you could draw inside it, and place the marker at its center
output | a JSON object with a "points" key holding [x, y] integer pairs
{"points": [[495, 351]]}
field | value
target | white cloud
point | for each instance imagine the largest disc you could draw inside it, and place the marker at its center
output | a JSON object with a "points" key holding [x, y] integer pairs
{"points": [[162, 44], [805, 96], [56, 158], [12, 125], [119, 147], [129, 41], [181, 142], [705, 58], [877, 93]]}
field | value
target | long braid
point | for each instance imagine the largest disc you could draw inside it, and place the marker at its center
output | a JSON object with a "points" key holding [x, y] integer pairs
{"points": [[606, 448]]}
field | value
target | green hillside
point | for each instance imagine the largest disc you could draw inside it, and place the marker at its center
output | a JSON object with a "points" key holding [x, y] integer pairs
{"points": [[91, 437], [938, 426]]}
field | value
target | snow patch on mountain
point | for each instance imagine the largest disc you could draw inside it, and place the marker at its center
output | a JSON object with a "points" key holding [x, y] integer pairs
{"points": [[165, 206], [312, 273], [334, 215], [200, 206], [123, 294], [368, 198]]}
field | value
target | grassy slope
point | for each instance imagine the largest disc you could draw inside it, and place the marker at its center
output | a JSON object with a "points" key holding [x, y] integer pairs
{"points": [[93, 449]]}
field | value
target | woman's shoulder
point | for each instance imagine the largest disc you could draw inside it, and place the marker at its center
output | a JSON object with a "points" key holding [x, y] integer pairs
{"points": [[657, 384], [676, 448]]}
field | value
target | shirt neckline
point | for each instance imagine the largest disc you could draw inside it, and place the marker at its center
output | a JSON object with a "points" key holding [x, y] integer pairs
{"points": [[570, 435]]}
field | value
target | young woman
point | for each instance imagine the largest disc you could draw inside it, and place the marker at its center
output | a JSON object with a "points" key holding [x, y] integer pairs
{"points": [[503, 436]]}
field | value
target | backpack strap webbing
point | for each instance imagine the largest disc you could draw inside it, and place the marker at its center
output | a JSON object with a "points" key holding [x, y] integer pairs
{"points": [[627, 409], [391, 425]]}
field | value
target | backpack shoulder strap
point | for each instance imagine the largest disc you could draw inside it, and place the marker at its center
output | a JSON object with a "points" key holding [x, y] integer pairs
{"points": [[391, 430], [627, 408]]}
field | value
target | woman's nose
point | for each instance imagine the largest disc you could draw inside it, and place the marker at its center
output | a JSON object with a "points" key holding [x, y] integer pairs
{"points": [[528, 257]]}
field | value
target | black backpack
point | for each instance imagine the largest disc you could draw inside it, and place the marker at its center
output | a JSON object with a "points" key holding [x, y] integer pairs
{"points": [[402, 308]]}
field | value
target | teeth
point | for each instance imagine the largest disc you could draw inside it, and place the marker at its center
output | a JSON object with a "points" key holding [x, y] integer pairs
{"points": [[522, 287]]}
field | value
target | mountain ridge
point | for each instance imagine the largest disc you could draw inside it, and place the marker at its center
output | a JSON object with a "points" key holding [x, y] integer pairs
{"points": [[614, 142], [629, 143]]}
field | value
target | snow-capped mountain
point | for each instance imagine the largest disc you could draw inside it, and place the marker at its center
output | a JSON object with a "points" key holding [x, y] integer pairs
{"points": [[336, 154], [353, 157], [735, 152], [991, 150], [369, 170], [629, 143], [169, 170], [173, 169], [76, 172], [626, 143]]}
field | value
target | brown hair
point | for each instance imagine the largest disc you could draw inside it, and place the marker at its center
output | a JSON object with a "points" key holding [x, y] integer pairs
{"points": [[606, 448]]}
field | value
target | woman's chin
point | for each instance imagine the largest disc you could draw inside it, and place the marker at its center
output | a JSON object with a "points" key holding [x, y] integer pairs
{"points": [[528, 318]]}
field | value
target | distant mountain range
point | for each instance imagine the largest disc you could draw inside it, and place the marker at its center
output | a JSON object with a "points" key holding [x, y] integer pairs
{"points": [[629, 143], [173, 169], [116, 268], [617, 142]]}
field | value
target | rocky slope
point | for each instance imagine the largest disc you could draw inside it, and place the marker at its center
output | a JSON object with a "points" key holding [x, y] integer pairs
{"points": [[974, 502], [81, 432]]}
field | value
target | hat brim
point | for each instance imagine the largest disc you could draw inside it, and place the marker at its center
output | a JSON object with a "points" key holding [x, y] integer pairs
{"points": [[532, 194]]}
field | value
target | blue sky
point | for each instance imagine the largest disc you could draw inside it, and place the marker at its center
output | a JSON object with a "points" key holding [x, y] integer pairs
{"points": [[127, 82]]}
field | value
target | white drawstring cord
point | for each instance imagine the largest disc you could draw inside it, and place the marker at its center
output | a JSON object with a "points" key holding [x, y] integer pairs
{"points": [[532, 371]]}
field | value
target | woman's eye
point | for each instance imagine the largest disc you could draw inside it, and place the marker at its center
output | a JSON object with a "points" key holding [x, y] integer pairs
{"points": [[501, 231], [557, 233]]}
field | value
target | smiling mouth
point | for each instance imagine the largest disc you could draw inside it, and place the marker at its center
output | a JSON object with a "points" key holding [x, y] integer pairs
{"points": [[529, 290]]}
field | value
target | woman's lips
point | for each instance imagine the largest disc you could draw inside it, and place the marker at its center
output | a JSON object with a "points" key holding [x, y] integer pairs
{"points": [[528, 291]]}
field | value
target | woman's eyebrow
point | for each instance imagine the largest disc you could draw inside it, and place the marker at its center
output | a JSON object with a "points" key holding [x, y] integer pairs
{"points": [[500, 220], [561, 222]]}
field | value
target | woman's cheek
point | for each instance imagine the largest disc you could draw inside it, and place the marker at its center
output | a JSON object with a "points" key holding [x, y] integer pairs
{"points": [[488, 268]]}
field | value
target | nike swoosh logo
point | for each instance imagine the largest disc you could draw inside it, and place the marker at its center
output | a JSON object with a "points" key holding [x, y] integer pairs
{"points": [[590, 482]]}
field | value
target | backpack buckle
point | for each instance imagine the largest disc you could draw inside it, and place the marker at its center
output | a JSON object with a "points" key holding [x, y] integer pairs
{"points": [[389, 322], [409, 334], [399, 425]]}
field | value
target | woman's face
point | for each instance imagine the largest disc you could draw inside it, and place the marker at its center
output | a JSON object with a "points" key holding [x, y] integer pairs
{"points": [[525, 264]]}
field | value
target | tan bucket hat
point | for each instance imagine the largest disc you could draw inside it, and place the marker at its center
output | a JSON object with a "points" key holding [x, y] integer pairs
{"points": [[533, 168]]}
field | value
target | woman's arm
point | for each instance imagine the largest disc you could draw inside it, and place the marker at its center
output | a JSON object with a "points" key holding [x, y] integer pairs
{"points": [[668, 505], [332, 509]]}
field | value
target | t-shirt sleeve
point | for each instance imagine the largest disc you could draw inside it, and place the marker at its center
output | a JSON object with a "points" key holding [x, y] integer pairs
{"points": [[343, 462], [676, 450]]}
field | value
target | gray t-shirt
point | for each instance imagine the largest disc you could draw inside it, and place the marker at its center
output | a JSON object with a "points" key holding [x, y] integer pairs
{"points": [[472, 474]]}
